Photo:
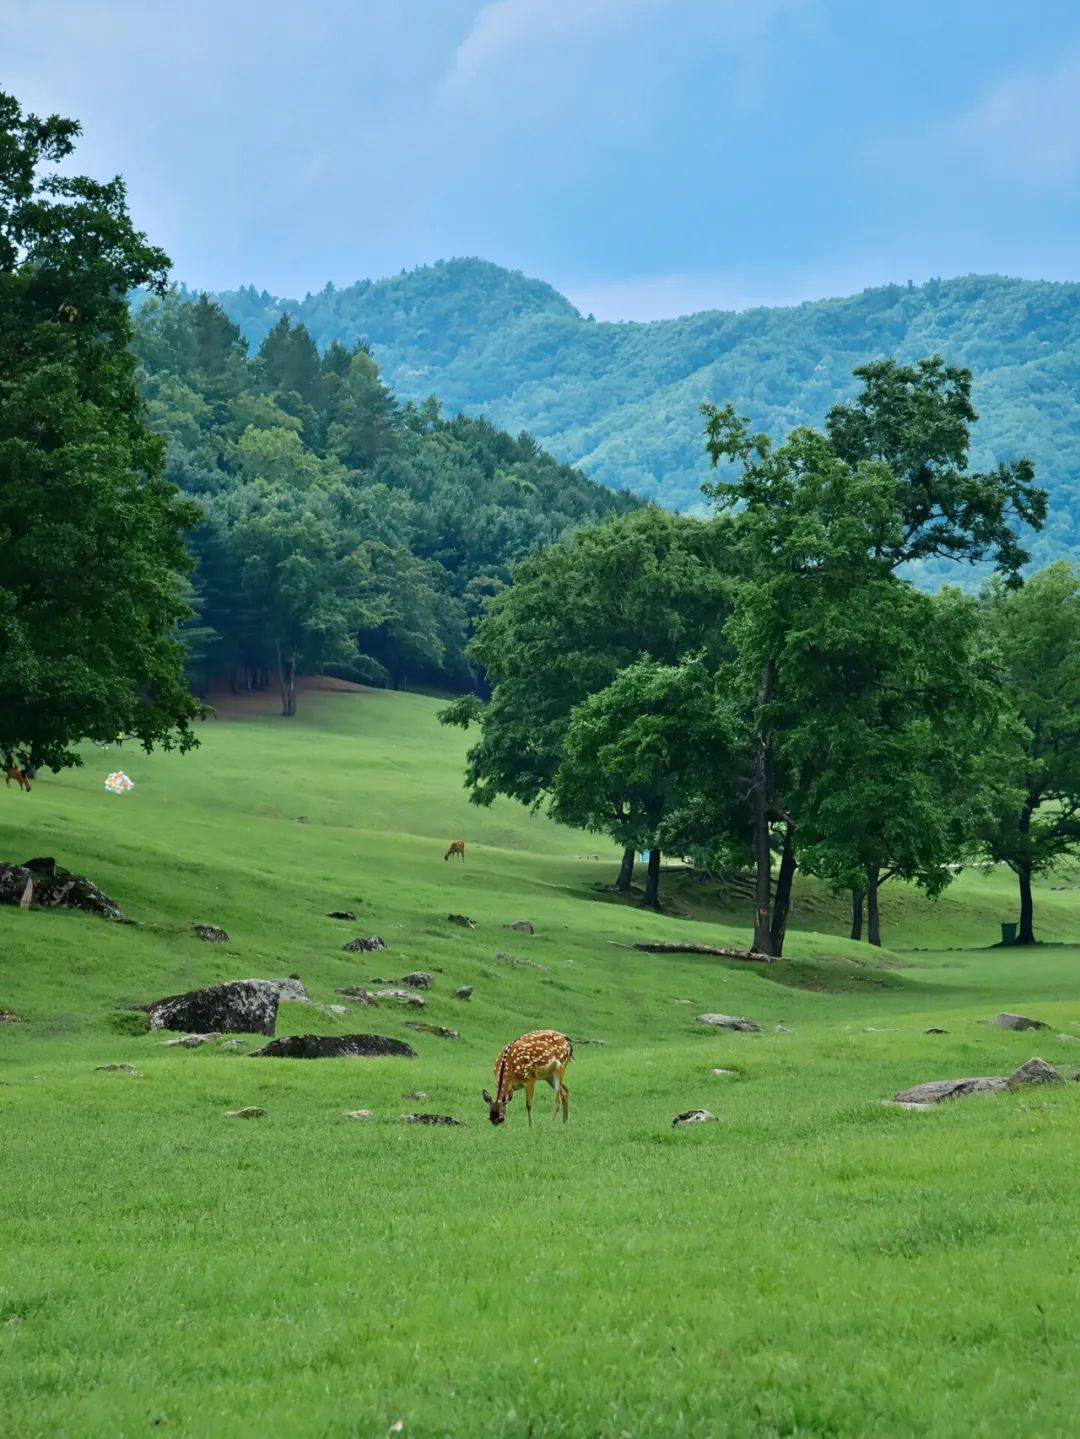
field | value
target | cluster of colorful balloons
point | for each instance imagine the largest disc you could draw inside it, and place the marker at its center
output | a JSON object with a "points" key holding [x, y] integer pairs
{"points": [[118, 782]]}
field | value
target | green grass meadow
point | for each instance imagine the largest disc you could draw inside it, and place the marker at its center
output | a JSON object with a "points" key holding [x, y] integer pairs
{"points": [[815, 1263]]}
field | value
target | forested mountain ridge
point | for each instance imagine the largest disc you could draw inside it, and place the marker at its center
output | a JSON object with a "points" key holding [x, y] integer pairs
{"points": [[338, 528], [622, 400]]}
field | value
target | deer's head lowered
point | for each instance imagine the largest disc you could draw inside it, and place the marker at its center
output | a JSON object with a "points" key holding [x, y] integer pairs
{"points": [[497, 1107]]}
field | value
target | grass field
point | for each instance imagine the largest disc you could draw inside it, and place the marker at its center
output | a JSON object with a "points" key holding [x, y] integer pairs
{"points": [[816, 1263]]}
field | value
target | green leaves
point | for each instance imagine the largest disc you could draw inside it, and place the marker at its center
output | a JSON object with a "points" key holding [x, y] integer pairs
{"points": [[92, 561]]}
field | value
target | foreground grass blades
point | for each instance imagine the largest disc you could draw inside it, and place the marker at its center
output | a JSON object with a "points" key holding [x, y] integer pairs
{"points": [[814, 1263]]}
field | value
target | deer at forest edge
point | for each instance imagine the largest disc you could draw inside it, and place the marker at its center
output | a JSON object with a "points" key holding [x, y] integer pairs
{"points": [[457, 846], [544, 1054], [13, 772]]}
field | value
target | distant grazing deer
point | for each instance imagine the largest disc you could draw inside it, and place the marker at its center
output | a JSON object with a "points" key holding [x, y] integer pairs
{"points": [[21, 778], [457, 846], [544, 1054]]}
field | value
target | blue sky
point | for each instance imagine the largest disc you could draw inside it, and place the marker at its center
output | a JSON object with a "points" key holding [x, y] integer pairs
{"points": [[648, 157]]}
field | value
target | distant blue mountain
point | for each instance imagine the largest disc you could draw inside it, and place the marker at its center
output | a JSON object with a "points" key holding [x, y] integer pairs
{"points": [[622, 400]]}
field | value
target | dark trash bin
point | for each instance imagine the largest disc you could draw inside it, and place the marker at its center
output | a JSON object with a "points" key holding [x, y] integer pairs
{"points": [[1008, 934]]}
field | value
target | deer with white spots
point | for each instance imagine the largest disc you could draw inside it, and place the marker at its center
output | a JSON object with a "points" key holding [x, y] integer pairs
{"points": [[544, 1054]]}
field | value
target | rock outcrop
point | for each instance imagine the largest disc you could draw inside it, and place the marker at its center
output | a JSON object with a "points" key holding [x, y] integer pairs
{"points": [[241, 1006], [43, 884], [729, 1021], [335, 1046]]}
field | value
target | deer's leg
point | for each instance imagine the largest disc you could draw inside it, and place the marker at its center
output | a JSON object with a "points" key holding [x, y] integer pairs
{"points": [[530, 1085], [564, 1095]]}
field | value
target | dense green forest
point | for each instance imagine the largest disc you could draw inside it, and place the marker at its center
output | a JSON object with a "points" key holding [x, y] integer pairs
{"points": [[622, 400], [341, 530]]}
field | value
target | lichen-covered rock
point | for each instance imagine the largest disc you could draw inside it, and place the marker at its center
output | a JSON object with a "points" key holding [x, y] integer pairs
{"points": [[465, 992], [288, 990], [1035, 1071], [190, 1041], [241, 1006], [463, 920], [210, 934], [128, 1069], [358, 1113], [364, 946], [433, 1119], [356, 995], [401, 996], [335, 1046], [45, 885], [939, 1090], [1019, 1021], [522, 926], [438, 1030], [693, 1116], [418, 979], [251, 1112], [729, 1021], [418, 1096]]}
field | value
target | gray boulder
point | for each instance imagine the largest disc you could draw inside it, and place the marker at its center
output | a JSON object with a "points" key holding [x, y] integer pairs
{"points": [[128, 1069], [466, 992], [341, 914], [45, 885], [1019, 1021], [355, 994], [190, 1041], [1035, 1071], [251, 1112], [729, 1021], [335, 1046], [433, 1119], [463, 920], [922, 1096], [210, 934], [364, 946], [522, 926], [287, 990], [419, 979], [241, 1006], [358, 1113], [693, 1116], [400, 996]]}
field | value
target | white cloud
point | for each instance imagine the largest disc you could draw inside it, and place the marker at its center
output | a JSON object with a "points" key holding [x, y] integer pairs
{"points": [[1029, 123], [509, 31]]}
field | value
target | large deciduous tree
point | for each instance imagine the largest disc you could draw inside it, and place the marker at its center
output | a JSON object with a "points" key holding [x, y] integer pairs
{"points": [[1037, 632], [92, 561], [646, 585], [639, 757], [917, 420], [907, 778]]}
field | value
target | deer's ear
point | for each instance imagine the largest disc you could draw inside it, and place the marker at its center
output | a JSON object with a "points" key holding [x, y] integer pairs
{"points": [[487, 1098]]}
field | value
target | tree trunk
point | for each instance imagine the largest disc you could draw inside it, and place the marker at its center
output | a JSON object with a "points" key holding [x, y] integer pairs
{"points": [[652, 882], [856, 913], [1026, 934], [291, 682], [281, 677], [782, 897], [873, 915], [762, 845], [626, 870]]}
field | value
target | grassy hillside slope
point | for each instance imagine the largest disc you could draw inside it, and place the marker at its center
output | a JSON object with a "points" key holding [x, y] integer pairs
{"points": [[622, 400], [814, 1263]]}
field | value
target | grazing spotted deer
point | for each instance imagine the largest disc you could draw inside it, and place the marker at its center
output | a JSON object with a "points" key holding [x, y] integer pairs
{"points": [[544, 1054], [21, 778], [457, 846]]}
